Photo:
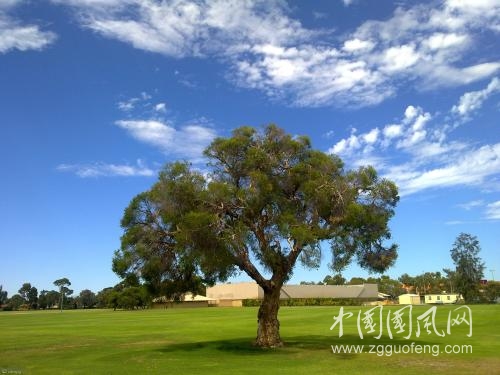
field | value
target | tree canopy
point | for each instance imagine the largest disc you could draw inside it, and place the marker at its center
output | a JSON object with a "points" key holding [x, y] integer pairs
{"points": [[469, 266], [268, 200]]}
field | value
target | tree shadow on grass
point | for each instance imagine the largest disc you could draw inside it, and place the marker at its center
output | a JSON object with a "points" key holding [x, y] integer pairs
{"points": [[293, 345]]}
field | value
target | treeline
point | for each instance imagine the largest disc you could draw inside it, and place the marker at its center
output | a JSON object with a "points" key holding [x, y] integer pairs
{"points": [[121, 296], [425, 283]]}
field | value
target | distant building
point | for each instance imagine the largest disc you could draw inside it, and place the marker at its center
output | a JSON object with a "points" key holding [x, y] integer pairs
{"points": [[233, 295], [188, 300], [444, 298], [409, 299]]}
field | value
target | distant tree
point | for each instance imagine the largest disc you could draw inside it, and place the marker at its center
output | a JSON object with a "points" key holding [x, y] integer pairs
{"points": [[87, 299], [15, 302], [336, 279], [469, 266], [450, 277], [270, 201], [307, 283], [104, 298], [356, 281], [63, 290], [29, 294], [42, 300], [492, 291], [3, 296], [386, 285], [24, 291], [133, 297]]}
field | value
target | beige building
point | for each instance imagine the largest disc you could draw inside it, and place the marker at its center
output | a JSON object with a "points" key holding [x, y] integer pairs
{"points": [[409, 299], [233, 295], [188, 300], [444, 298]]}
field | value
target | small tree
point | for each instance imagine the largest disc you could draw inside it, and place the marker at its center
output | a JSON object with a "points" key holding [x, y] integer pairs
{"points": [[269, 202], [469, 266], [63, 290], [336, 279], [3, 296]]}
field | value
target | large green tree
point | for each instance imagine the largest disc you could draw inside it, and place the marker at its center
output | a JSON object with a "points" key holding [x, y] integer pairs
{"points": [[469, 266], [268, 201]]}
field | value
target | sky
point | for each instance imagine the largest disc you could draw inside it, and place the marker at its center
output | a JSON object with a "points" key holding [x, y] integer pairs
{"points": [[97, 95]]}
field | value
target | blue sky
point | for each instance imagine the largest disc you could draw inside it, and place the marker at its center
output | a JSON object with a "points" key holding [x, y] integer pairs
{"points": [[96, 95]]}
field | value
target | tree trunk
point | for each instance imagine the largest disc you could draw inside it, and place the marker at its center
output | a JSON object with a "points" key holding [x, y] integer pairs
{"points": [[268, 331]]}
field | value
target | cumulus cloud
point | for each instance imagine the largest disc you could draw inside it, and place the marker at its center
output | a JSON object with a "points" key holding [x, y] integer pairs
{"points": [[472, 101], [416, 154], [187, 141], [264, 48], [15, 35], [108, 170]]}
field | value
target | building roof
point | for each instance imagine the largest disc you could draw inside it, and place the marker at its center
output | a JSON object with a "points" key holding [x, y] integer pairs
{"points": [[253, 291], [329, 291]]}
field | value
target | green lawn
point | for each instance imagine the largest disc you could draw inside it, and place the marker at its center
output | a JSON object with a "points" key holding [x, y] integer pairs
{"points": [[219, 340]]}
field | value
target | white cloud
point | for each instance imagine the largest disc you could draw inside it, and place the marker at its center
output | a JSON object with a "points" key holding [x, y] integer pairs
{"points": [[108, 170], [14, 35], [472, 101], [392, 131], [188, 141], [399, 58], [469, 169], [161, 107], [493, 211], [441, 40], [356, 45], [372, 136], [264, 48], [418, 157], [348, 2], [472, 204]]}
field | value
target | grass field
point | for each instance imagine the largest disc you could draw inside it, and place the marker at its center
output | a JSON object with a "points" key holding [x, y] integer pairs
{"points": [[219, 341]]}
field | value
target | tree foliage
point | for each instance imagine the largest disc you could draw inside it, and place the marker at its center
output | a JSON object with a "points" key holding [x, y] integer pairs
{"points": [[63, 284], [269, 201], [469, 266], [3, 296], [29, 294], [86, 299]]}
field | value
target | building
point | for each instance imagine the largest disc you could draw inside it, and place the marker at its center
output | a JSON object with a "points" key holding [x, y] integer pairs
{"points": [[409, 299], [444, 298], [233, 295], [188, 300]]}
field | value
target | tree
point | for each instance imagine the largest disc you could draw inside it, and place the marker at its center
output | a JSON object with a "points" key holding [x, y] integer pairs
{"points": [[386, 285], [63, 289], [469, 266], [29, 294], [3, 296], [87, 299], [336, 279], [269, 201], [16, 301], [48, 299], [492, 291]]}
